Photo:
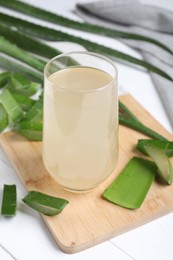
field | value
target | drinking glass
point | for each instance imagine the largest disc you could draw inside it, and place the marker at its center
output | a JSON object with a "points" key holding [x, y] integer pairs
{"points": [[80, 122]]}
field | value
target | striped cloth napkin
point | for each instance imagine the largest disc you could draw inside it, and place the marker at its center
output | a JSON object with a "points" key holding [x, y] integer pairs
{"points": [[135, 17]]}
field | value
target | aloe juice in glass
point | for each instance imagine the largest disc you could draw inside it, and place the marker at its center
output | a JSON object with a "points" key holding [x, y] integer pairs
{"points": [[80, 133]]}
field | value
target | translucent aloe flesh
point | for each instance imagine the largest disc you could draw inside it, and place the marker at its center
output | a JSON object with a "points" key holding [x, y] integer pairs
{"points": [[165, 168], [164, 145]]}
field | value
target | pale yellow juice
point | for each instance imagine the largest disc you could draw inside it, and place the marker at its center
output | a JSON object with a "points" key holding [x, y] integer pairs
{"points": [[80, 146]]}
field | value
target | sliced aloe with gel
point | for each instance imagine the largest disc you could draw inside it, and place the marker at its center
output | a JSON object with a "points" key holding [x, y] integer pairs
{"points": [[45, 204], [131, 186], [31, 125], [4, 78], [165, 168], [35, 114], [9, 200], [165, 146], [20, 84], [3, 118], [31, 130], [25, 102], [14, 111]]}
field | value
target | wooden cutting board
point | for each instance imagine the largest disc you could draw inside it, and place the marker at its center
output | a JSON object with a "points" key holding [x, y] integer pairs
{"points": [[89, 219]]}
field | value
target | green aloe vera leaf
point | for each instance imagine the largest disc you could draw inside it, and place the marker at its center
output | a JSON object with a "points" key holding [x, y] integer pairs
{"points": [[25, 102], [58, 19], [13, 66], [9, 200], [35, 114], [31, 126], [165, 168], [31, 130], [131, 186], [124, 111], [165, 146], [127, 118], [45, 204], [31, 44], [55, 35], [28, 43], [14, 51], [138, 126], [3, 118], [20, 84], [14, 111], [4, 78]]}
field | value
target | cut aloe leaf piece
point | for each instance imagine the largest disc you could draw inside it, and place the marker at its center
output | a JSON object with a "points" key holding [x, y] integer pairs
{"points": [[45, 204], [14, 111], [9, 199], [20, 84], [131, 186], [165, 169], [3, 118], [35, 114], [165, 146], [31, 125], [4, 78], [25, 102], [31, 130]]}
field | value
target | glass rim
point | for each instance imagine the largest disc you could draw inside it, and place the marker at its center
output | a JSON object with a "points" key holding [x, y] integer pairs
{"points": [[114, 78]]}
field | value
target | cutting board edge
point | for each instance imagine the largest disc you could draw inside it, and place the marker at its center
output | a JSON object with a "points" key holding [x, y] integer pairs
{"points": [[72, 249]]}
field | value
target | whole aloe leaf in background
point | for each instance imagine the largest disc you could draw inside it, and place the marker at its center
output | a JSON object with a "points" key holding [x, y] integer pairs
{"points": [[61, 20], [55, 35]]}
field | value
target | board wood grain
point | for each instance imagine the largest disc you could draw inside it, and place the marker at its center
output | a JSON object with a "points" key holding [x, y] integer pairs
{"points": [[89, 219]]}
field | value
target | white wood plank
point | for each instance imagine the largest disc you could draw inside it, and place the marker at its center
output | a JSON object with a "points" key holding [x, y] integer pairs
{"points": [[5, 255], [27, 238], [151, 241]]}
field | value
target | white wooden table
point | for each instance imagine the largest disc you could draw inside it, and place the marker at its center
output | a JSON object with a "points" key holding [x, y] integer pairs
{"points": [[26, 237]]}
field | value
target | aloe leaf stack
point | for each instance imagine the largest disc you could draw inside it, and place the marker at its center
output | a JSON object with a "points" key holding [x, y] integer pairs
{"points": [[49, 34], [61, 20]]}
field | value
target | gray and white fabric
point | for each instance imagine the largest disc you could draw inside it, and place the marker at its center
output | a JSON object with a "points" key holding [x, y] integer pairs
{"points": [[135, 17]]}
